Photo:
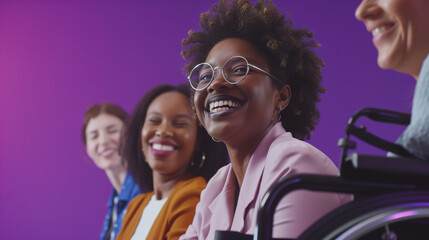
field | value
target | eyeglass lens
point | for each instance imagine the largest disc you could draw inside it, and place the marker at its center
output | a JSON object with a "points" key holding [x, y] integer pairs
{"points": [[234, 71]]}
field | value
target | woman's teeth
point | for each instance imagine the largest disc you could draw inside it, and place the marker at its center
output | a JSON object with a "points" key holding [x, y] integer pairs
{"points": [[161, 147], [222, 105], [107, 152], [379, 30]]}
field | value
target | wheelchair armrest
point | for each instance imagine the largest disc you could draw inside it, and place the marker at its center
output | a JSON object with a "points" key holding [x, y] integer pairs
{"points": [[385, 169], [323, 183], [227, 235]]}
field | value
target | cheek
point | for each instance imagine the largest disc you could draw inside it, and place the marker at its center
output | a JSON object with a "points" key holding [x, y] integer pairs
{"points": [[90, 148], [199, 105], [147, 133], [144, 136], [91, 151], [263, 104], [263, 95], [116, 138], [397, 8], [189, 139]]}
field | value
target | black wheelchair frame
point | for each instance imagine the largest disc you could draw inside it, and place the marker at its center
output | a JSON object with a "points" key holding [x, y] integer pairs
{"points": [[386, 190]]}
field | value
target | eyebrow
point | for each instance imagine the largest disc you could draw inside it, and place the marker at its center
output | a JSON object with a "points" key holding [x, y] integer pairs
{"points": [[108, 128], [176, 116], [251, 60], [183, 116], [93, 132], [111, 126], [152, 113]]}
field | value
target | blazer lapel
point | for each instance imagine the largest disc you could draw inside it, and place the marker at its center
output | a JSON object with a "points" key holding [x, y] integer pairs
{"points": [[221, 209], [248, 192], [246, 211]]}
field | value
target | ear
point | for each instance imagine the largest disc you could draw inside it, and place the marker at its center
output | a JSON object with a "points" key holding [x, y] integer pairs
{"points": [[283, 97]]}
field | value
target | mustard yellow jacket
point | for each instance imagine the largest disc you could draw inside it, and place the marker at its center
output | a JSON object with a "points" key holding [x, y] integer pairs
{"points": [[175, 216]]}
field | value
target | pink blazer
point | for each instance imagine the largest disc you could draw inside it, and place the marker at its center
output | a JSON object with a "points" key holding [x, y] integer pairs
{"points": [[278, 155]]}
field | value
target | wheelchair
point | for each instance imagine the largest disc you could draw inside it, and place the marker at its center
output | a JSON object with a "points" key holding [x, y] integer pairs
{"points": [[390, 194]]}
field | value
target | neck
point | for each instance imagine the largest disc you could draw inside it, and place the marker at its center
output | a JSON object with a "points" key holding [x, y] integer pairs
{"points": [[241, 153], [164, 184], [117, 177], [239, 162], [416, 72], [414, 67]]}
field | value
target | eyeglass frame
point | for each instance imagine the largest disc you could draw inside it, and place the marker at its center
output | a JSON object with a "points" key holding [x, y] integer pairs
{"points": [[223, 73]]}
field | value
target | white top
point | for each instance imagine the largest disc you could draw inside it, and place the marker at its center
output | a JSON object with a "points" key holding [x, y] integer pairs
{"points": [[150, 213]]}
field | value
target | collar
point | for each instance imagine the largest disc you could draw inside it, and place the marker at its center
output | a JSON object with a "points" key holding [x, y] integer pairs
{"points": [[129, 189], [251, 182], [249, 190], [256, 166], [223, 201]]}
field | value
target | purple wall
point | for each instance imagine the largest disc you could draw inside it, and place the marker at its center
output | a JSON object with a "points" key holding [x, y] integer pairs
{"points": [[59, 57]]}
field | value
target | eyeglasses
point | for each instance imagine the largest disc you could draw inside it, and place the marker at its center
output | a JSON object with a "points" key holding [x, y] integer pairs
{"points": [[234, 71]]}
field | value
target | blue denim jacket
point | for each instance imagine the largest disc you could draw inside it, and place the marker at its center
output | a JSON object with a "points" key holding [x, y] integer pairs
{"points": [[129, 190]]}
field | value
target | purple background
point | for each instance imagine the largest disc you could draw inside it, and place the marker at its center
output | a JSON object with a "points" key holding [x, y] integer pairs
{"points": [[59, 57]]}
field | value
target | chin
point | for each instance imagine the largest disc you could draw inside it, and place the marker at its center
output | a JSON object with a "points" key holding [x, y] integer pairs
{"points": [[213, 131], [383, 62], [222, 131], [393, 57]]}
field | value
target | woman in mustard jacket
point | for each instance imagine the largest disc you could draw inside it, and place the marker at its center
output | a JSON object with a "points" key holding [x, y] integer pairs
{"points": [[168, 152]]}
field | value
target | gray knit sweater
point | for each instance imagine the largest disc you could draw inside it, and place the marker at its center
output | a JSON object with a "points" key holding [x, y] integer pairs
{"points": [[415, 138]]}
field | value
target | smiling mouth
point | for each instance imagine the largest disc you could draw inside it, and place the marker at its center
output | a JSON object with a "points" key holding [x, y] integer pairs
{"points": [[223, 103], [108, 152], [162, 150], [162, 147], [381, 29]]}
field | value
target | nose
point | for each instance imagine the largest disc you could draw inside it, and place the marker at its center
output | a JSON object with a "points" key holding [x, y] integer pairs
{"points": [[104, 138], [367, 9], [164, 131], [218, 82]]}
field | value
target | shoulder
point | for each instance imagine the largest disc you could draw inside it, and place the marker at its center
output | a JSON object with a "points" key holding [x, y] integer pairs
{"points": [[297, 156], [188, 188], [130, 187], [217, 182], [215, 185], [190, 184], [186, 194], [425, 66], [221, 175], [139, 201]]}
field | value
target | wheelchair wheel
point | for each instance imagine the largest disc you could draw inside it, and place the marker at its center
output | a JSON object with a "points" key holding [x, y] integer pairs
{"points": [[395, 216]]}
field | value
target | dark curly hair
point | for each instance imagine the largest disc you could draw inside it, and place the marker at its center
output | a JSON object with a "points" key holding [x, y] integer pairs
{"points": [[289, 52], [216, 155]]}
